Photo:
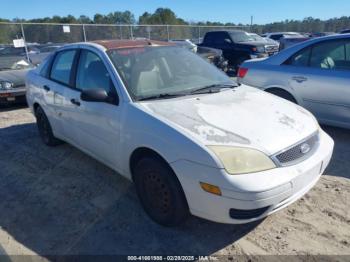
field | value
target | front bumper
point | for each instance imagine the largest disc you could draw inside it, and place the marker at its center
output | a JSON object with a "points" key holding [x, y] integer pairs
{"points": [[259, 55], [12, 95], [266, 192]]}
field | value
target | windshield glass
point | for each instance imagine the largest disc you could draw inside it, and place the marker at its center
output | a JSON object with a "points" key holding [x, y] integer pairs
{"points": [[154, 71], [241, 37], [257, 38]]}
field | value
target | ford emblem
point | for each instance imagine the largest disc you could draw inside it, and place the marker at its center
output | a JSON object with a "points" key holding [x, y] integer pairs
{"points": [[305, 148]]}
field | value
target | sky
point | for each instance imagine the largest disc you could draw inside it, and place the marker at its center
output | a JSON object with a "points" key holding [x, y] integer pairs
{"points": [[236, 11]]}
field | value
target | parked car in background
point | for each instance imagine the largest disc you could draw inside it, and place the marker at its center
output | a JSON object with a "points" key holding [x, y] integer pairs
{"points": [[213, 56], [237, 46], [190, 139], [290, 40], [18, 51], [12, 82], [272, 46], [187, 43], [345, 31], [314, 74], [320, 34], [278, 35], [44, 51]]}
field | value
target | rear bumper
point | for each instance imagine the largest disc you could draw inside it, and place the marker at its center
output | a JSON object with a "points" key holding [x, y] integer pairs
{"points": [[250, 197], [13, 95]]}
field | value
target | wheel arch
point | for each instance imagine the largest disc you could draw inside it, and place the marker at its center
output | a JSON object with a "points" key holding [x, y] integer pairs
{"points": [[36, 105], [277, 88], [141, 152]]}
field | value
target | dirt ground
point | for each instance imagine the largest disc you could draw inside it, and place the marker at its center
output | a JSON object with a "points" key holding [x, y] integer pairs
{"points": [[58, 201]]}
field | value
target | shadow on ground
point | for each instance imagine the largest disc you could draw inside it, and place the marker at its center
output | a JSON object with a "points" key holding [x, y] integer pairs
{"points": [[340, 164], [58, 201], [11, 107]]}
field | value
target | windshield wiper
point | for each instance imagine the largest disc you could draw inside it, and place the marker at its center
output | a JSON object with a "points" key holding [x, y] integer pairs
{"points": [[160, 96], [212, 88]]}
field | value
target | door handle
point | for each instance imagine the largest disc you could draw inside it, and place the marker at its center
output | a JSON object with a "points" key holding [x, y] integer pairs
{"points": [[75, 102], [299, 79], [46, 88]]}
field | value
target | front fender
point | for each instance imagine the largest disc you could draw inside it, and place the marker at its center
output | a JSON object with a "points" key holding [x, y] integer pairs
{"points": [[143, 130]]}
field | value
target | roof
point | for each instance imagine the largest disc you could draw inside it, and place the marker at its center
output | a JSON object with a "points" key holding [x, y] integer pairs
{"points": [[117, 44]]}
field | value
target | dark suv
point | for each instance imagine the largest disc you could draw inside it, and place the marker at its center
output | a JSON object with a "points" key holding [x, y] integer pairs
{"points": [[237, 46]]}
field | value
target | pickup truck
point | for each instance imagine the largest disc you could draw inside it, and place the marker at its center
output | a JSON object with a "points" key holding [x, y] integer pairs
{"points": [[237, 46]]}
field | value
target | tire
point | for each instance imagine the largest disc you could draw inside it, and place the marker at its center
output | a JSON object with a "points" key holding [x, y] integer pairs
{"points": [[283, 94], [44, 128], [160, 192]]}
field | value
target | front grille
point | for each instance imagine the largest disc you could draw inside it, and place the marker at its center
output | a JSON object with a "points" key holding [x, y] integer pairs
{"points": [[271, 48], [298, 152], [19, 86]]}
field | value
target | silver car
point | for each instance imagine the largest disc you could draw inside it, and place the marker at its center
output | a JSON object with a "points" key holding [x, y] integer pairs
{"points": [[314, 74]]}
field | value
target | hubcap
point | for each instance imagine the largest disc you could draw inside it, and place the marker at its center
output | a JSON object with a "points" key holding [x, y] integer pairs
{"points": [[157, 193]]}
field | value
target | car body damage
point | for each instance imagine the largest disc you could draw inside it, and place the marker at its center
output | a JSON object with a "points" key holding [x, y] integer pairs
{"points": [[198, 116]]}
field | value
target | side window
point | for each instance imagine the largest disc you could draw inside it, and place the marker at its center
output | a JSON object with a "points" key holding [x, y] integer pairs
{"points": [[92, 73], [347, 51], [45, 66], [62, 65], [301, 58], [220, 38], [330, 55], [209, 38]]}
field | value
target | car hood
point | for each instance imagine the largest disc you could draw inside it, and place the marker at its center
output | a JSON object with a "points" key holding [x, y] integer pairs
{"points": [[244, 116], [17, 77]]}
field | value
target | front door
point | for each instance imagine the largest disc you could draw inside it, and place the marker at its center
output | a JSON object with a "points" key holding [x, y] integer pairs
{"points": [[96, 124]]}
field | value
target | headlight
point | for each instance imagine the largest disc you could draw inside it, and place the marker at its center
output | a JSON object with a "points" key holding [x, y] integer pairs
{"points": [[240, 160], [6, 85], [260, 49]]}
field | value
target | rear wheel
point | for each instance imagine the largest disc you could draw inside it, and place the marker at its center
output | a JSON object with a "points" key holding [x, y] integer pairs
{"points": [[160, 192], [44, 128], [283, 94]]}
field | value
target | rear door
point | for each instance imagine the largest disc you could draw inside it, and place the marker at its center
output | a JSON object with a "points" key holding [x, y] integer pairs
{"points": [[323, 83], [58, 78]]}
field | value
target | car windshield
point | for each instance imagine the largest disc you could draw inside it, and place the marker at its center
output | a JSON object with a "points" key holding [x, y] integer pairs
{"points": [[238, 37], [165, 71], [257, 37]]}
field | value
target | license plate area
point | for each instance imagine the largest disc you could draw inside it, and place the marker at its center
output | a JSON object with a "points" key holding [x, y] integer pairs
{"points": [[11, 98]]}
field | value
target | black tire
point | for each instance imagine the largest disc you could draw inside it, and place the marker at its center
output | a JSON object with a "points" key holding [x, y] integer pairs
{"points": [[160, 192], [44, 128], [283, 94]]}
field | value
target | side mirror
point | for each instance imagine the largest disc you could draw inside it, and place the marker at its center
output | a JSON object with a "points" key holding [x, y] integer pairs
{"points": [[95, 95], [228, 40]]}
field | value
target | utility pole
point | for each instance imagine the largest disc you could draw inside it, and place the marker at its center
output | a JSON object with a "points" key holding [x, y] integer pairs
{"points": [[251, 23]]}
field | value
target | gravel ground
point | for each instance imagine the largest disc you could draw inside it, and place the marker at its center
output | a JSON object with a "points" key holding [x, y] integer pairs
{"points": [[58, 201]]}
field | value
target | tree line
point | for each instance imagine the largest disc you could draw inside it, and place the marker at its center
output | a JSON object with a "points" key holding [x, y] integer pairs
{"points": [[161, 16]]}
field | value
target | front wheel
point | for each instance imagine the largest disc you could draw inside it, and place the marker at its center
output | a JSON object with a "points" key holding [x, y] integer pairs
{"points": [[44, 128], [160, 192]]}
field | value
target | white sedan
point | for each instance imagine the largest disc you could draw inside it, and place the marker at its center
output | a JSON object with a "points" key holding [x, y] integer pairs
{"points": [[191, 140]]}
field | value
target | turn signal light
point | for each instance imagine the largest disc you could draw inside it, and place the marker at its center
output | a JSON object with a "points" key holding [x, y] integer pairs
{"points": [[242, 72], [211, 188]]}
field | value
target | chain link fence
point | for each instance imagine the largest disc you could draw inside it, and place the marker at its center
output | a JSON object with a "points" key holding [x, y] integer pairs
{"points": [[38, 35]]}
